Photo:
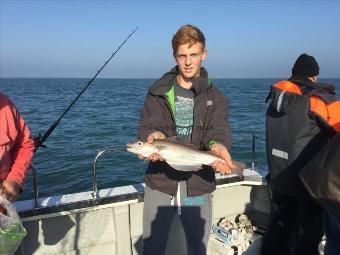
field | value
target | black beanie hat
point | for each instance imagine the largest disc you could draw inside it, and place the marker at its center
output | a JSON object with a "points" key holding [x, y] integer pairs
{"points": [[305, 65]]}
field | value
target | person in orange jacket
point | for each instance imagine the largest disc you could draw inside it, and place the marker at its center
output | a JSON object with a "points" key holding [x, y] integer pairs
{"points": [[16, 150], [302, 116]]}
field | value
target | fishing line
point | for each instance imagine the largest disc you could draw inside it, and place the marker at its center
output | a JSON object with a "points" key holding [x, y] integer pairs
{"points": [[42, 138]]}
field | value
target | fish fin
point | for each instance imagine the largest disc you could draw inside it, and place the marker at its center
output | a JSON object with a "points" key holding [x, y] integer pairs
{"points": [[191, 145], [172, 139], [160, 148], [210, 152], [185, 168], [175, 140]]}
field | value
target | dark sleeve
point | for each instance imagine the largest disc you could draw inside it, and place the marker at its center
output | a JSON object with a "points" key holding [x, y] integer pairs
{"points": [[218, 130], [151, 116]]}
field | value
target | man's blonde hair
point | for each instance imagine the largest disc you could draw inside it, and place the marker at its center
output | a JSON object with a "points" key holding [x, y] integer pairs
{"points": [[187, 34]]}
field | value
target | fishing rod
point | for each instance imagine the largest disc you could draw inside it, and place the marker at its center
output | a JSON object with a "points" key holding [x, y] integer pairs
{"points": [[41, 139]]}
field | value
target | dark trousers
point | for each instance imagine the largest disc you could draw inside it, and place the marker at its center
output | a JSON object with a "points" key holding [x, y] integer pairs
{"points": [[332, 229], [295, 226]]}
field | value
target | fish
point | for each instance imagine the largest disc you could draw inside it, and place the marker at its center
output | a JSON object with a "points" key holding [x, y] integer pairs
{"points": [[179, 156]]}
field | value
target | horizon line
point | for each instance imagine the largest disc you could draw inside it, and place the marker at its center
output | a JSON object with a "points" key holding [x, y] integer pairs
{"points": [[151, 78]]}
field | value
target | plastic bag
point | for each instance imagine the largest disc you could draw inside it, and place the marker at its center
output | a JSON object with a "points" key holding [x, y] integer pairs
{"points": [[11, 230]]}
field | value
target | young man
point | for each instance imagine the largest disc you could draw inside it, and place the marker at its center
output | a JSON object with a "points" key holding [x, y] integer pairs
{"points": [[183, 103], [302, 117], [16, 150]]}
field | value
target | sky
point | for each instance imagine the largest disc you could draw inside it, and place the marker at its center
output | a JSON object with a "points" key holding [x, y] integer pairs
{"points": [[244, 39]]}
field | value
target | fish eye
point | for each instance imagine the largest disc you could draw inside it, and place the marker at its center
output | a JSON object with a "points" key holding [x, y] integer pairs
{"points": [[139, 143]]}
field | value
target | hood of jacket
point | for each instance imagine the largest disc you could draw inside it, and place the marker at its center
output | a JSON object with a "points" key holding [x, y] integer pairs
{"points": [[305, 82], [165, 83]]}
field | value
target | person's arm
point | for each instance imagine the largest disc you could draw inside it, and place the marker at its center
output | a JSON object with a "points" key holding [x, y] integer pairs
{"points": [[150, 118], [21, 153], [218, 130], [221, 151], [327, 113], [148, 129], [218, 136]]}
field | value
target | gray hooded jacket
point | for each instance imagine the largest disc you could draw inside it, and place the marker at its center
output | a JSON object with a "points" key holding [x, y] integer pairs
{"points": [[210, 125]]}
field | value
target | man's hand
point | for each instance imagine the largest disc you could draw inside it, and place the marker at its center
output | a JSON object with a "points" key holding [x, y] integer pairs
{"points": [[154, 156], [10, 190], [220, 166]]}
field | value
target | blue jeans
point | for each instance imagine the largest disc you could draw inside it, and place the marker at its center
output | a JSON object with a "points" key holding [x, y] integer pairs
{"points": [[332, 229]]}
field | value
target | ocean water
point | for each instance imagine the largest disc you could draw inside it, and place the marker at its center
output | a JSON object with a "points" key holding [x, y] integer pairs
{"points": [[106, 116]]}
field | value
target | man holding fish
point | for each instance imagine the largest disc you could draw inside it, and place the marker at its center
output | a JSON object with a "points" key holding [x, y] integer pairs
{"points": [[180, 177]]}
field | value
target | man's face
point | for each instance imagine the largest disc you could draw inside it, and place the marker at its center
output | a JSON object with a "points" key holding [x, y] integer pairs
{"points": [[189, 60]]}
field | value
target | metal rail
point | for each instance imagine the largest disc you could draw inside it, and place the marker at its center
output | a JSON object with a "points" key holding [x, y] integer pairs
{"points": [[253, 150], [94, 176], [104, 151]]}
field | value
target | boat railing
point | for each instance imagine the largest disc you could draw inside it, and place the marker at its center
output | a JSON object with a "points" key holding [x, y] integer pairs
{"points": [[253, 150], [104, 151], [94, 176]]}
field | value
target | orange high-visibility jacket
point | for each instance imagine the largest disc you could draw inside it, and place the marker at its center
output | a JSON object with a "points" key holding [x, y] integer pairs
{"points": [[328, 110], [301, 117]]}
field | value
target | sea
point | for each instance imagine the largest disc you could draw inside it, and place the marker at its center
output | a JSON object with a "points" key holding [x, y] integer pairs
{"points": [[106, 117]]}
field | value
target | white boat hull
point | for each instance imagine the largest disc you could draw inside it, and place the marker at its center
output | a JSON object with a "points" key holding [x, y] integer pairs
{"points": [[74, 224]]}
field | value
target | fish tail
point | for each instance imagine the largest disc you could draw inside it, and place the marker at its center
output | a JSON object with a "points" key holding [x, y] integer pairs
{"points": [[238, 172]]}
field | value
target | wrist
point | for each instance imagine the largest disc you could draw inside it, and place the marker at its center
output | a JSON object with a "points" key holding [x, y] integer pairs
{"points": [[211, 143], [13, 183]]}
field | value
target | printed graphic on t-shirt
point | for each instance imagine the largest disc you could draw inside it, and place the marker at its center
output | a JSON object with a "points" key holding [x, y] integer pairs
{"points": [[184, 115]]}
